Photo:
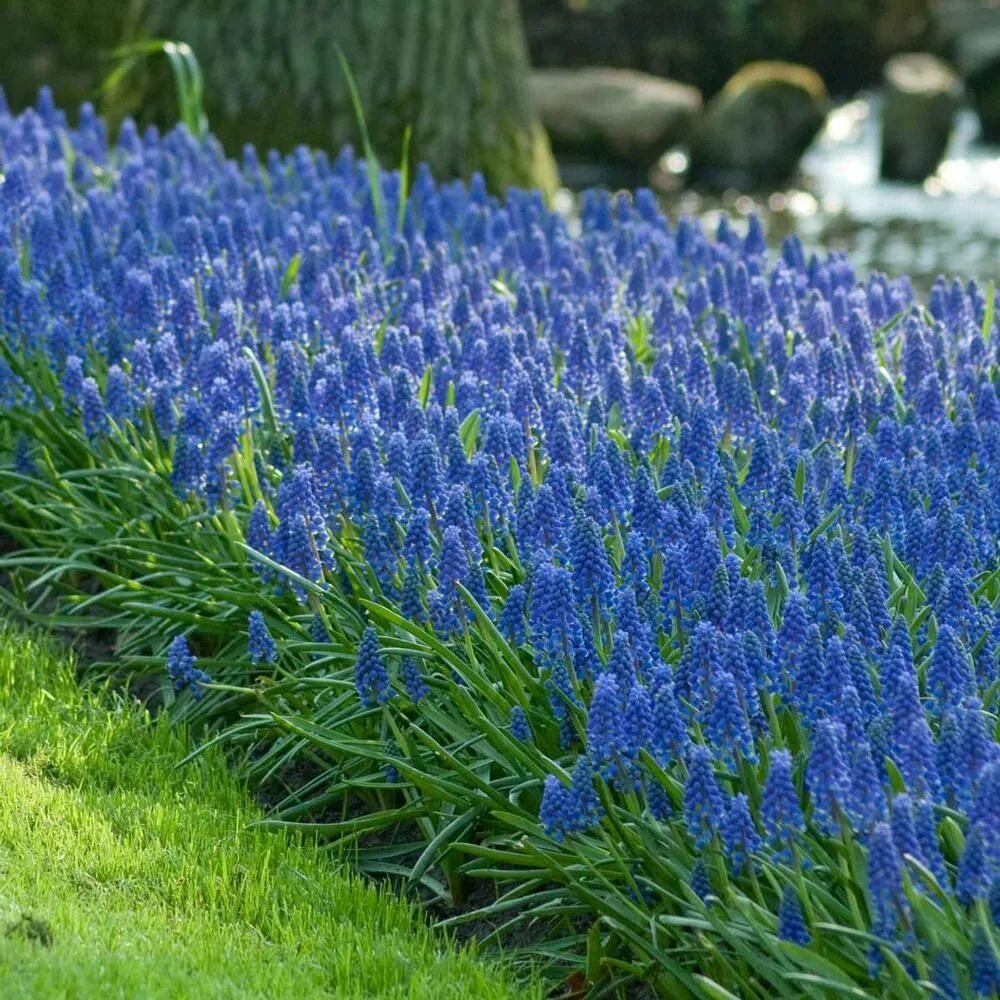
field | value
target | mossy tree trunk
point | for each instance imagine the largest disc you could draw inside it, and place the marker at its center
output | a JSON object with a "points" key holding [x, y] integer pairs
{"points": [[63, 45], [454, 71]]}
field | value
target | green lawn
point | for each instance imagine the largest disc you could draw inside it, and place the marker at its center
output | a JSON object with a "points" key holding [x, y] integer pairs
{"points": [[122, 875]]}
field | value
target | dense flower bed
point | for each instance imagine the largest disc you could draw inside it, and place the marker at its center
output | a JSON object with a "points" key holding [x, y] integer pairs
{"points": [[647, 576]]}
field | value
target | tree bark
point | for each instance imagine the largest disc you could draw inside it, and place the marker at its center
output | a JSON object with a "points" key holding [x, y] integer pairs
{"points": [[454, 71], [64, 46]]}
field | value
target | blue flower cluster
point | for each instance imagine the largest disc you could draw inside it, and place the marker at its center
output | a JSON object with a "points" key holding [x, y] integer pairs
{"points": [[261, 646], [181, 668], [746, 505]]}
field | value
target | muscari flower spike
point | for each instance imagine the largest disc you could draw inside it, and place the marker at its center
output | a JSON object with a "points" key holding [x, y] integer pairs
{"points": [[740, 838], [985, 972], [704, 806], [791, 921], [780, 808], [260, 645], [827, 775], [181, 668], [885, 881], [413, 681], [370, 676]]}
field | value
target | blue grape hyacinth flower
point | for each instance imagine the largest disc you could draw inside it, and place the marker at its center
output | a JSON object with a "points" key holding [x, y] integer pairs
{"points": [[370, 676], [261, 647], [181, 668]]}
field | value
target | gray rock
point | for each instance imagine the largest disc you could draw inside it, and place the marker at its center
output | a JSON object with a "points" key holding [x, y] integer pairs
{"points": [[613, 114], [754, 132], [922, 94], [704, 42]]}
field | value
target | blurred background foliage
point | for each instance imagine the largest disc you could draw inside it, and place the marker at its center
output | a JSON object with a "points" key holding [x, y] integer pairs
{"points": [[704, 42]]}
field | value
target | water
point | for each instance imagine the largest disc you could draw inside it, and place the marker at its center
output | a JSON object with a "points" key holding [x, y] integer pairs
{"points": [[950, 225]]}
